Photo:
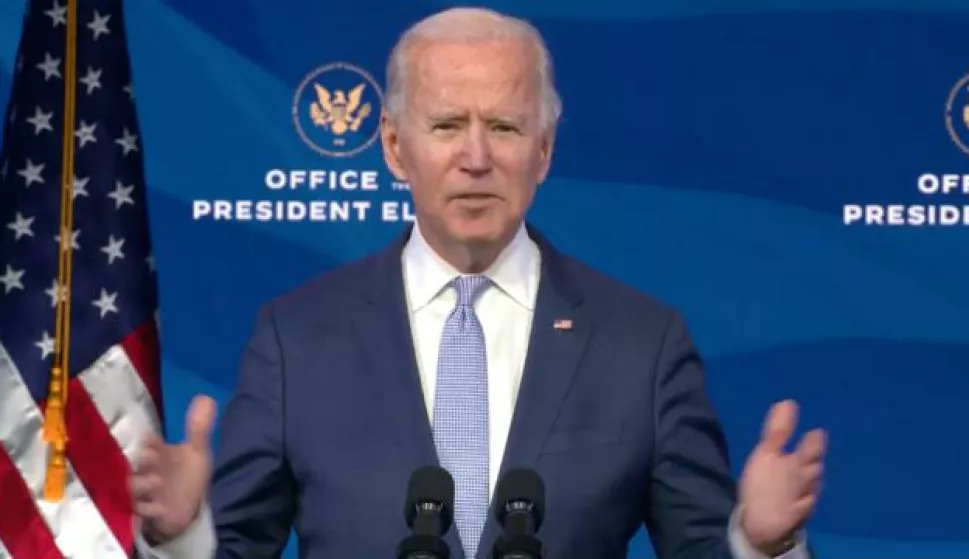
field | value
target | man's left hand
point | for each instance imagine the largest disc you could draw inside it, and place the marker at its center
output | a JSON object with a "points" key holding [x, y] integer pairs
{"points": [[778, 490]]}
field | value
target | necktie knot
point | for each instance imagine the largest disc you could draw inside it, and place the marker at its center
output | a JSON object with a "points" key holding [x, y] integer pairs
{"points": [[469, 288]]}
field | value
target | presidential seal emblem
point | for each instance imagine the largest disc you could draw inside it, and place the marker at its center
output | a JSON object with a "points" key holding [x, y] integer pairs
{"points": [[336, 110], [957, 114]]}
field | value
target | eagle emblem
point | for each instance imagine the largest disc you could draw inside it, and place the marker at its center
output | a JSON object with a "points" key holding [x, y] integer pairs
{"points": [[339, 111]]}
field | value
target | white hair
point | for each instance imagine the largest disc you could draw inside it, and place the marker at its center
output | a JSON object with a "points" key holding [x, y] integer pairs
{"points": [[470, 25]]}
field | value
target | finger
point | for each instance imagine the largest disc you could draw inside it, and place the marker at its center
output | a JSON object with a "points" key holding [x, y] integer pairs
{"points": [[149, 459], [149, 509], [779, 425], [803, 507], [811, 479], [812, 446], [145, 488], [201, 418], [812, 472]]}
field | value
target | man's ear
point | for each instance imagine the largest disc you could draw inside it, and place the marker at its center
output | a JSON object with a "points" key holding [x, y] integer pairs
{"points": [[390, 140], [548, 146]]}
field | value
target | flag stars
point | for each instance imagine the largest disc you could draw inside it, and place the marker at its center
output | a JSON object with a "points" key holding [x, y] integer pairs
{"points": [[56, 294], [113, 249], [31, 173], [130, 91], [13, 115], [121, 195], [99, 25], [75, 245], [41, 120], [46, 345], [106, 302], [50, 67], [151, 262], [58, 14], [11, 279], [128, 141], [86, 133], [21, 226], [79, 187], [92, 80]]}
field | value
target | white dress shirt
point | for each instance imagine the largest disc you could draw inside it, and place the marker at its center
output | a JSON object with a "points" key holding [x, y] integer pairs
{"points": [[505, 311]]}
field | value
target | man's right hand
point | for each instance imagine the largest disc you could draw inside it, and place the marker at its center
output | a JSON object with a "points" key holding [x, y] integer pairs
{"points": [[169, 482]]}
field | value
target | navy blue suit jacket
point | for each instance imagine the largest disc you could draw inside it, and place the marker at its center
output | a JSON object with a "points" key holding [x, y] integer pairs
{"points": [[328, 422]]}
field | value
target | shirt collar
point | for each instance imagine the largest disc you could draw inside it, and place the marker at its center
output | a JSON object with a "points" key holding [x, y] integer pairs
{"points": [[515, 271]]}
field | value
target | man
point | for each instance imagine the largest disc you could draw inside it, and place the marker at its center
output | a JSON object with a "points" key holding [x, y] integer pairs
{"points": [[474, 344]]}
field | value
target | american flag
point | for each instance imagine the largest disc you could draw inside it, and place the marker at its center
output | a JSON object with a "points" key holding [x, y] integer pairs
{"points": [[113, 394]]}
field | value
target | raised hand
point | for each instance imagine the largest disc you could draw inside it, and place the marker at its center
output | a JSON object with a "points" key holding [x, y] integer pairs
{"points": [[169, 482], [779, 490]]}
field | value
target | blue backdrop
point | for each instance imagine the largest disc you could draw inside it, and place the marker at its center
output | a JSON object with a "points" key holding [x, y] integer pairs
{"points": [[709, 153]]}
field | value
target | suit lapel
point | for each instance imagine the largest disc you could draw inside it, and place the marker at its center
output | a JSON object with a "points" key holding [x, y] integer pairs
{"points": [[384, 334], [556, 346]]}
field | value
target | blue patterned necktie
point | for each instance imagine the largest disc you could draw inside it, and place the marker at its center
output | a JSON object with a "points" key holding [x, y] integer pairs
{"points": [[461, 411]]}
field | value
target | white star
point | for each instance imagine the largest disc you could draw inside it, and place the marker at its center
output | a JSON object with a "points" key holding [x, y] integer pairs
{"points": [[11, 280], [80, 187], [21, 226], [86, 133], [13, 114], [151, 262], [121, 195], [31, 173], [41, 120], [50, 66], [113, 249], [106, 302], [58, 14], [74, 243], [52, 292], [99, 25], [130, 91], [128, 141], [92, 79], [46, 345]]}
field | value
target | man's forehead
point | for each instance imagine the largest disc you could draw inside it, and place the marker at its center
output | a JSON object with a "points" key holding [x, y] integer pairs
{"points": [[446, 58]]}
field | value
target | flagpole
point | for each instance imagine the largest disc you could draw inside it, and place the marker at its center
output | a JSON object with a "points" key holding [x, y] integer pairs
{"points": [[55, 424]]}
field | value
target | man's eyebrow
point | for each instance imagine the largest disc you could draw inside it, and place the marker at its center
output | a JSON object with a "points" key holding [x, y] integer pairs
{"points": [[446, 115]]}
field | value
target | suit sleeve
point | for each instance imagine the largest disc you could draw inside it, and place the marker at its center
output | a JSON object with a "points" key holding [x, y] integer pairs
{"points": [[692, 492], [253, 493]]}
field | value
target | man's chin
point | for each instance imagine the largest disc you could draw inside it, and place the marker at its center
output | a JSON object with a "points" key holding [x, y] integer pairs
{"points": [[478, 234]]}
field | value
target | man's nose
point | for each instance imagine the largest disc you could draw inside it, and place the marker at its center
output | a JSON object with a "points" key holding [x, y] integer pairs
{"points": [[476, 151]]}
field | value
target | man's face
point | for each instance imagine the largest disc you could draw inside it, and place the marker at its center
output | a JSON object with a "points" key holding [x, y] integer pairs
{"points": [[470, 141]]}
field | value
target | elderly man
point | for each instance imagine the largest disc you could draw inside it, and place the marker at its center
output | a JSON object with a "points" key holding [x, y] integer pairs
{"points": [[474, 344]]}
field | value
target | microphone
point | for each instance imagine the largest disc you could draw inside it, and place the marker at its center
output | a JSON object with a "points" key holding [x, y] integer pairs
{"points": [[519, 509], [428, 512]]}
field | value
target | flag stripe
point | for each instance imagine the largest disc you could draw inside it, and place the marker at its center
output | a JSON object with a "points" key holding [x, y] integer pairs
{"points": [[23, 532], [99, 462], [20, 430], [142, 349], [121, 398], [22, 528]]}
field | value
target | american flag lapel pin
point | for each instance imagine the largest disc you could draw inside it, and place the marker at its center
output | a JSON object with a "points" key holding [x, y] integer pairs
{"points": [[562, 324]]}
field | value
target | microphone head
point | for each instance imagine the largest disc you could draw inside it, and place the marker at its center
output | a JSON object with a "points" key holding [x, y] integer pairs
{"points": [[431, 490], [520, 490]]}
